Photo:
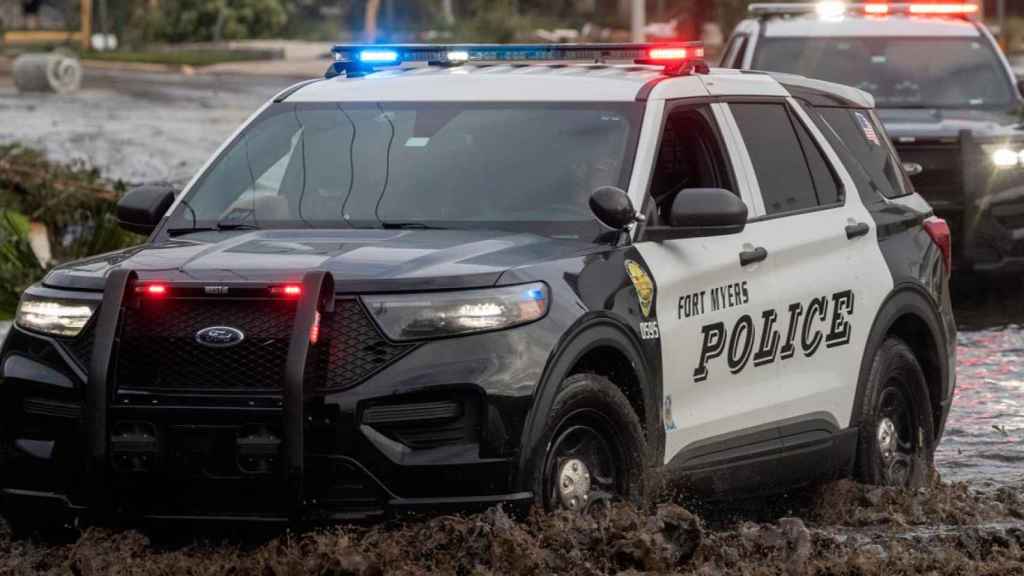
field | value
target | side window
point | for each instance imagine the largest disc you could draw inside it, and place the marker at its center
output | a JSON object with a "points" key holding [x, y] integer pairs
{"points": [[690, 156], [791, 171], [826, 184], [861, 134], [733, 54]]}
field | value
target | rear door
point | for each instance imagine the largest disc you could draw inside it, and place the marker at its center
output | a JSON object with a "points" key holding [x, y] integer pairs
{"points": [[825, 253]]}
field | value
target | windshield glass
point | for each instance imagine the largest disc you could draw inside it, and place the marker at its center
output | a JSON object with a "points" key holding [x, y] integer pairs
{"points": [[898, 72], [529, 167]]}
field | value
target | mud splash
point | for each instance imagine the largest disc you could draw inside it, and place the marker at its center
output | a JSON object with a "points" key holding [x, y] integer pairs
{"points": [[849, 529]]}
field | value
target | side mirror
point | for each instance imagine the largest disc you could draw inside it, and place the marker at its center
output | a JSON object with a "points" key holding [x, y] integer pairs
{"points": [[612, 207], [912, 168], [701, 212], [1020, 86], [141, 209]]}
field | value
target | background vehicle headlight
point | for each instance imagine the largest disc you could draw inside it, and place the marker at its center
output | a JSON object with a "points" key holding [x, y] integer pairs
{"points": [[53, 316], [1005, 155], [437, 314]]}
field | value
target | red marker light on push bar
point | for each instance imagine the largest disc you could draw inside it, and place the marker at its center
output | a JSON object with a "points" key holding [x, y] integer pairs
{"points": [[314, 330], [288, 290], [155, 289]]}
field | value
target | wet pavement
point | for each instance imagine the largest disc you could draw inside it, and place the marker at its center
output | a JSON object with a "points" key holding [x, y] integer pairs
{"points": [[135, 127]]}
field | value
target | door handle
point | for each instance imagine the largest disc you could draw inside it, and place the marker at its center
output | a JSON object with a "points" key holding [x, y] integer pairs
{"points": [[749, 257], [857, 230]]}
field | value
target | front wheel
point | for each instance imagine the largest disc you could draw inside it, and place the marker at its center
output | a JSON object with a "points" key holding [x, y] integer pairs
{"points": [[897, 432], [593, 448]]}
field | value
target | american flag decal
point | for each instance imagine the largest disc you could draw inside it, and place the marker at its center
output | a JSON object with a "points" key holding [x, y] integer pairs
{"points": [[869, 130]]}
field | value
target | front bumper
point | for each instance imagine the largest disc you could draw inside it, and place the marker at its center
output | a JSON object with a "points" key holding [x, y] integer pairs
{"points": [[983, 205], [302, 454]]}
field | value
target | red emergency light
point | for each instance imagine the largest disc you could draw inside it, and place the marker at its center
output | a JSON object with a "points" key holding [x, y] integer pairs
{"points": [[954, 9], [288, 290], [155, 290]]}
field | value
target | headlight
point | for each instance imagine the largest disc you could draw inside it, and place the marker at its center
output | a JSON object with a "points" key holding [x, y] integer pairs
{"points": [[437, 314], [1005, 155], [53, 316]]}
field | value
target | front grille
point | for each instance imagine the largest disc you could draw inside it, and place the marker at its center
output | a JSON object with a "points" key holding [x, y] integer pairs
{"points": [[351, 348], [942, 180], [158, 347]]}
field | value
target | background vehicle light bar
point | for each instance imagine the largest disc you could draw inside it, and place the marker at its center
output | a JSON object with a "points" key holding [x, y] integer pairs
{"points": [[830, 8], [453, 54]]}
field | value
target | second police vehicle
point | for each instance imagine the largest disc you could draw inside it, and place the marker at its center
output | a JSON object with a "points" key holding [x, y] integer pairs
{"points": [[944, 91], [463, 275]]}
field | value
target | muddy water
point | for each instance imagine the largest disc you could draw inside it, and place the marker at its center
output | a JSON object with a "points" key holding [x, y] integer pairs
{"points": [[984, 439]]}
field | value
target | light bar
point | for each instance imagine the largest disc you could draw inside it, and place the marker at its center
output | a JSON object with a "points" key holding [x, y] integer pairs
{"points": [[834, 9], [360, 59], [943, 9]]}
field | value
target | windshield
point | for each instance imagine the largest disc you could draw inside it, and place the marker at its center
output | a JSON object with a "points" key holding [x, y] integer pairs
{"points": [[898, 72], [529, 167]]}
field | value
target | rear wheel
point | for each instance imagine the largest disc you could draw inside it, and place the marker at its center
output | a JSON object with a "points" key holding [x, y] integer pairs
{"points": [[897, 433], [593, 448]]}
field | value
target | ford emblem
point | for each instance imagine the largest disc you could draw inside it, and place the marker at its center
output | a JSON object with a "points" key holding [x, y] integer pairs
{"points": [[220, 337]]}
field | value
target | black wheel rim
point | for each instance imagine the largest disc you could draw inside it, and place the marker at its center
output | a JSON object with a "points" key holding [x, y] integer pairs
{"points": [[584, 465], [894, 433]]}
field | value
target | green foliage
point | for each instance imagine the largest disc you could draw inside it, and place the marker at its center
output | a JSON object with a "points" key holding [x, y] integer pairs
{"points": [[19, 267], [74, 203], [207, 20], [178, 57]]}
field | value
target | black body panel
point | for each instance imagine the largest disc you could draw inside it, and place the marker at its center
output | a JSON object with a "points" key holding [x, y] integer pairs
{"points": [[354, 426]]}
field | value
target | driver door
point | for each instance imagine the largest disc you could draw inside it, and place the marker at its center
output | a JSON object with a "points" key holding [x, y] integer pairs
{"points": [[715, 294]]}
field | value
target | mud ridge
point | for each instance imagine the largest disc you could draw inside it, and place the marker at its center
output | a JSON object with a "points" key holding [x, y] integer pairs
{"points": [[846, 529]]}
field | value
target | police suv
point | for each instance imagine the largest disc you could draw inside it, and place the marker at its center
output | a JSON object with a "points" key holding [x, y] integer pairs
{"points": [[944, 91], [463, 275]]}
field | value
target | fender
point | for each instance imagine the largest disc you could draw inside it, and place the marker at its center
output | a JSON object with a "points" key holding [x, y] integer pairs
{"points": [[906, 298], [592, 331]]}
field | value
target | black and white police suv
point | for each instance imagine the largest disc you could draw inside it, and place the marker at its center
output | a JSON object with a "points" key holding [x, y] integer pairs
{"points": [[944, 91], [457, 276]]}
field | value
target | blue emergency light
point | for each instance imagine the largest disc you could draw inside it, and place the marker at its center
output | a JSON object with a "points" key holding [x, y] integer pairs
{"points": [[360, 59]]}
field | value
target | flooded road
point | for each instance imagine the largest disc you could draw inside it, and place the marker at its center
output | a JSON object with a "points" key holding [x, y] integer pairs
{"points": [[149, 127]]}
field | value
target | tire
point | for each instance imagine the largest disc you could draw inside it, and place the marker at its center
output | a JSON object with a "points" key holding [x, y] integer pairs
{"points": [[591, 424], [897, 432]]}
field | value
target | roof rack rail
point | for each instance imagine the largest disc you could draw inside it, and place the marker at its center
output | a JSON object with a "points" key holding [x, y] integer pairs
{"points": [[837, 9], [355, 60]]}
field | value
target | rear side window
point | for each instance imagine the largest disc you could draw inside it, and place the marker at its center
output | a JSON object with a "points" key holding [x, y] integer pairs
{"points": [[791, 170], [860, 132], [734, 51]]}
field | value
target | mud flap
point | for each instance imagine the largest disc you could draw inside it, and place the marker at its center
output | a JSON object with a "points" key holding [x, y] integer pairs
{"points": [[317, 298], [97, 393]]}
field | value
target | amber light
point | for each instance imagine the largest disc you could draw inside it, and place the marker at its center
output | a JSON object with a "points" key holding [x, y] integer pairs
{"points": [[876, 8]]}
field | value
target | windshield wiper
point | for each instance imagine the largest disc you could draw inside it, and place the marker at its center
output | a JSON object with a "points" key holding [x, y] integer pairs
{"points": [[222, 227], [409, 226], [236, 226]]}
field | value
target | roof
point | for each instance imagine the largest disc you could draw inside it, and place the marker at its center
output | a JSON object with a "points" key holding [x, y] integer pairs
{"points": [[859, 26], [562, 83], [499, 82]]}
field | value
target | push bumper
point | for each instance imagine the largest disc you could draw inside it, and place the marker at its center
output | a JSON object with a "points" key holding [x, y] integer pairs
{"points": [[284, 458]]}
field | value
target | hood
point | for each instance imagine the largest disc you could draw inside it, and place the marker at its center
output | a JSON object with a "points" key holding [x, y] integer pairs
{"points": [[935, 123], [360, 260]]}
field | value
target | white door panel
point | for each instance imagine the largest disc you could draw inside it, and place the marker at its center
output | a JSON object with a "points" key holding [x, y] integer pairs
{"points": [[701, 284]]}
